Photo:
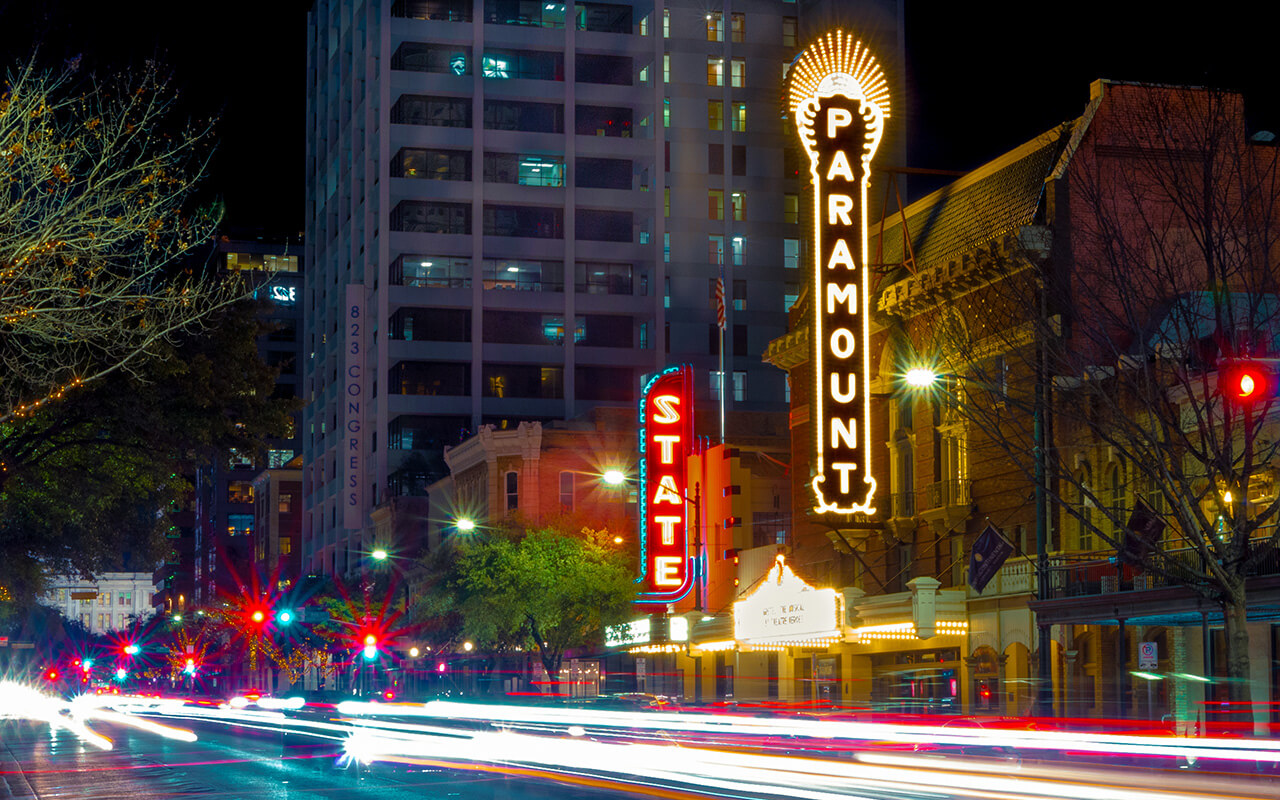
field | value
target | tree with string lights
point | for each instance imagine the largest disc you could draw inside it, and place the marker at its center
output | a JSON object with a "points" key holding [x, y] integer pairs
{"points": [[96, 230]]}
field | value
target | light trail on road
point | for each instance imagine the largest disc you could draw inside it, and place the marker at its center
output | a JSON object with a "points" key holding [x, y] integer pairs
{"points": [[681, 754]]}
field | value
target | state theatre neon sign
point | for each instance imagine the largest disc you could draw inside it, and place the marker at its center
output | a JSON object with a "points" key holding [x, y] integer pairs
{"points": [[839, 99], [666, 441]]}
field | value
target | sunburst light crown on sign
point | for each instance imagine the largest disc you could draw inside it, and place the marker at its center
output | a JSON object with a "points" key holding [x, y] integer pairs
{"points": [[838, 53]]}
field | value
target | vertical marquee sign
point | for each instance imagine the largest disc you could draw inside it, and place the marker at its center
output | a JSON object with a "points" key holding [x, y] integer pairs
{"points": [[839, 99], [353, 397], [666, 439]]}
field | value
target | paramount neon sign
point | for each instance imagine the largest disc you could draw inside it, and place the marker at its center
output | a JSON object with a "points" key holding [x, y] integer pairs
{"points": [[666, 439], [839, 99]]}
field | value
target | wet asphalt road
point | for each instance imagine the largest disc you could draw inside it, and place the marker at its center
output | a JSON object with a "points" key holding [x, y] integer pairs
{"points": [[35, 763]]}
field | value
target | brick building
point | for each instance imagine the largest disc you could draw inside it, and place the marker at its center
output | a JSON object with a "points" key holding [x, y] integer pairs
{"points": [[963, 273]]}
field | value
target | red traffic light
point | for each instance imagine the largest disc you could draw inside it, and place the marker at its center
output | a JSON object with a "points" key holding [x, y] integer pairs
{"points": [[1247, 382]]}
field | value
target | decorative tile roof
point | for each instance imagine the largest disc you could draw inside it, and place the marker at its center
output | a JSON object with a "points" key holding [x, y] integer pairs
{"points": [[986, 205]]}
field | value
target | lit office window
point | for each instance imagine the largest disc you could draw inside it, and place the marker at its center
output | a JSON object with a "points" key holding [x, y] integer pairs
{"points": [[715, 27], [715, 71]]}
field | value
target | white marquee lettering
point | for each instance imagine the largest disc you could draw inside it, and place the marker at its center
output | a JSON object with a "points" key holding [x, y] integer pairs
{"points": [[667, 492], [668, 528], [666, 405], [838, 118], [847, 294], [844, 468], [850, 387], [838, 208], [840, 167], [666, 570], [665, 444], [840, 256], [844, 432], [842, 343]]}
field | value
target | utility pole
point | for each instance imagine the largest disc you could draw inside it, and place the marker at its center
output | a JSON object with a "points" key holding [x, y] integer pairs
{"points": [[1044, 673], [697, 546]]}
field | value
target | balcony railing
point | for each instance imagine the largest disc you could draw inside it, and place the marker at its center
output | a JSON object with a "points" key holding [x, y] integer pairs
{"points": [[942, 494], [1102, 572], [904, 505]]}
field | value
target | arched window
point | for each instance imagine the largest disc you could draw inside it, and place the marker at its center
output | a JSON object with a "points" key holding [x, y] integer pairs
{"points": [[1115, 501], [1085, 505]]}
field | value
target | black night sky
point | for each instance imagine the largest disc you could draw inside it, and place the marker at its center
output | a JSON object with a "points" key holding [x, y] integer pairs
{"points": [[982, 77]]}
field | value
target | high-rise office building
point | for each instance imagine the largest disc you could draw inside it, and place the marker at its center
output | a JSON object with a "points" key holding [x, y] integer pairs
{"points": [[518, 210], [223, 504]]}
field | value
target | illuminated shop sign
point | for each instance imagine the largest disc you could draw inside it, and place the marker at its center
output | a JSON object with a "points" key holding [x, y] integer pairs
{"points": [[840, 100], [626, 634], [666, 439], [284, 295], [785, 609]]}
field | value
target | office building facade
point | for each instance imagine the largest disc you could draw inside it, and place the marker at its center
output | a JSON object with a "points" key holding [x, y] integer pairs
{"points": [[535, 202]]}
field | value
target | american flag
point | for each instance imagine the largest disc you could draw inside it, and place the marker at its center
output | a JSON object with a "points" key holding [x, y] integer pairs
{"points": [[720, 302]]}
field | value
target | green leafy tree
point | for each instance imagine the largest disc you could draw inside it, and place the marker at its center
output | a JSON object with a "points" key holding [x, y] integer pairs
{"points": [[537, 589]]}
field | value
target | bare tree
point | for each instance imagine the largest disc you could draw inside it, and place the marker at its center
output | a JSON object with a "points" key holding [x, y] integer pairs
{"points": [[95, 229], [1149, 270]]}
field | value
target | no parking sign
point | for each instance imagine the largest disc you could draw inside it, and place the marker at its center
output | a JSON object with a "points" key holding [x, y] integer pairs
{"points": [[1147, 655]]}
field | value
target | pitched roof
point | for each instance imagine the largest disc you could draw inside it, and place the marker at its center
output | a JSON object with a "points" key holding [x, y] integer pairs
{"points": [[990, 202]]}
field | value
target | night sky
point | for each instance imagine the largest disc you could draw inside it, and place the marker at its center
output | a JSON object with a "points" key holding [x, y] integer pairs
{"points": [[982, 77]]}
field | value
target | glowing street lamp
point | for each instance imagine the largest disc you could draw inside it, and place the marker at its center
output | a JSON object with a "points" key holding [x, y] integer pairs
{"points": [[921, 377], [379, 554], [466, 524], [614, 477]]}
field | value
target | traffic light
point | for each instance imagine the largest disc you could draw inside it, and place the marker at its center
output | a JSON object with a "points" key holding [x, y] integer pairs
{"points": [[370, 646], [284, 616], [1248, 382], [130, 649], [190, 668]]}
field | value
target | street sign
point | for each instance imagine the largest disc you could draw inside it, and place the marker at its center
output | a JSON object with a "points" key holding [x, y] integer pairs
{"points": [[1148, 657]]}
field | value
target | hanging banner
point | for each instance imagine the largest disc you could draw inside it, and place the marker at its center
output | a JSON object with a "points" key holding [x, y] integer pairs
{"points": [[666, 441], [839, 99], [351, 455], [988, 555]]}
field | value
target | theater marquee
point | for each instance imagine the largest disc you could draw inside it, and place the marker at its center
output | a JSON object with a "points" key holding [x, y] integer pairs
{"points": [[666, 439], [839, 99]]}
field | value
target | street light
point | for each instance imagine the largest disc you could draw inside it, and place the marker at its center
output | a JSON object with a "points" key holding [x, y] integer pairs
{"points": [[924, 377], [614, 477], [466, 524], [379, 554], [920, 377]]}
